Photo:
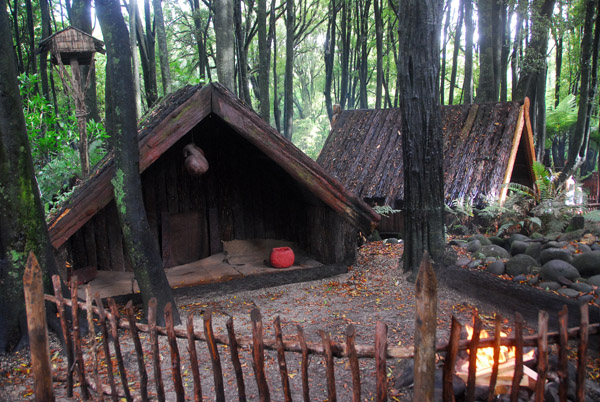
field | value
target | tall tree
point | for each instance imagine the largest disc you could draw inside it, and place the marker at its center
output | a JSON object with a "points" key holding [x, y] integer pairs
{"points": [[532, 80], [590, 43], [489, 52], [419, 66], [141, 245], [224, 39], [263, 60], [378, 5], [329, 50], [468, 82], [163, 49], [445, 39], [23, 227], [457, 36], [288, 84]]}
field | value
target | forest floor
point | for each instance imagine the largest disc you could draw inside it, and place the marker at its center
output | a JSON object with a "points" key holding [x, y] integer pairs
{"points": [[374, 289]]}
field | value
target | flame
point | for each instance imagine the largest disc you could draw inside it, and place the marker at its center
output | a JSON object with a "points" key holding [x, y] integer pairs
{"points": [[485, 356]]}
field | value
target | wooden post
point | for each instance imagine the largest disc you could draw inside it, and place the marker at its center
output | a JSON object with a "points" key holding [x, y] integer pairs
{"points": [[38, 332], [193, 357], [235, 360], [214, 356], [81, 113], [473, 346], [139, 352], [450, 361], [494, 376], [582, 351], [542, 364], [160, 388], [258, 356], [107, 357], [518, 374], [563, 353], [425, 326], [93, 343], [77, 340], [60, 305], [329, 369], [175, 359], [304, 364], [380, 360], [353, 359], [285, 381]]}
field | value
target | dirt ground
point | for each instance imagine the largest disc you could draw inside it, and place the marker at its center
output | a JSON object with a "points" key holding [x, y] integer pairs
{"points": [[374, 289]]}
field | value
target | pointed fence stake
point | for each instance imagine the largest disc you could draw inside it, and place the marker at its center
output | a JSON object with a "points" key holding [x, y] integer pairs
{"points": [[38, 332], [425, 326]]}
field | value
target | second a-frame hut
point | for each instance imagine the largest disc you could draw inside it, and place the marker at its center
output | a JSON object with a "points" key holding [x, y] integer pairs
{"points": [[486, 146], [259, 190]]}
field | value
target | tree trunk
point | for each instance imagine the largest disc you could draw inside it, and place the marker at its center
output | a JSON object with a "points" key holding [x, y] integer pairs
{"points": [[80, 17], [288, 85], [142, 247], [504, 42], [533, 71], [242, 56], [487, 90], [516, 50], [263, 61], [379, 49], [31, 38], [273, 30], [363, 59], [423, 207], [329, 50], [345, 50], [23, 227], [147, 46], [163, 50], [457, 36], [137, 91], [557, 71], [224, 39], [589, 69], [469, 28], [444, 47], [45, 22], [19, 53]]}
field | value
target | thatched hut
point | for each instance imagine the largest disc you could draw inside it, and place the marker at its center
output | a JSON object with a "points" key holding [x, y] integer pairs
{"points": [[258, 186], [486, 146]]}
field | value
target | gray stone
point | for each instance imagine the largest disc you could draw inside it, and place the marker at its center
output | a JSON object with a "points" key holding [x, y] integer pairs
{"points": [[463, 261], [581, 287], [497, 267], [473, 246], [533, 281], [499, 241], [555, 254], [520, 278], [458, 242], [549, 285], [534, 250], [495, 251], [588, 264], [518, 247], [586, 298], [564, 281], [520, 264], [482, 239], [517, 237], [489, 260], [568, 292], [555, 268], [594, 280], [595, 247], [536, 236], [474, 264], [391, 240], [584, 248], [572, 235], [555, 244]]}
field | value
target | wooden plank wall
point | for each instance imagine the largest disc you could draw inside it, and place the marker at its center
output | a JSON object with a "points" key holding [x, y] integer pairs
{"points": [[244, 195]]}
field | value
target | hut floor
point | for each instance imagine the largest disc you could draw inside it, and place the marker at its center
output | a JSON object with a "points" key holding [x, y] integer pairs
{"points": [[239, 260]]}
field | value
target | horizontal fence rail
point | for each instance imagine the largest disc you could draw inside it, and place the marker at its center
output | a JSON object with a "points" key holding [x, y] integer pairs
{"points": [[109, 322]]}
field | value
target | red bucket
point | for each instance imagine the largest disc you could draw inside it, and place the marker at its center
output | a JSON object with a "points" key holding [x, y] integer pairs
{"points": [[282, 257]]}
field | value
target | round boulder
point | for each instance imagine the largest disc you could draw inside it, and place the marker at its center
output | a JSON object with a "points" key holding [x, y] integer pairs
{"points": [[568, 292], [517, 237], [534, 250], [556, 254], [482, 239], [588, 264], [499, 241], [581, 287], [473, 246], [594, 280], [518, 247], [555, 244], [550, 285], [555, 268], [582, 247], [520, 264], [497, 267], [494, 251]]}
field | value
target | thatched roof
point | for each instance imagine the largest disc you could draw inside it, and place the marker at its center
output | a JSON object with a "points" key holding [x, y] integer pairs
{"points": [[484, 146], [176, 116]]}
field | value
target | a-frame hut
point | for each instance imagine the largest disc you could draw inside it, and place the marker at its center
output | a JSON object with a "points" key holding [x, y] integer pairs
{"points": [[258, 186], [486, 146]]}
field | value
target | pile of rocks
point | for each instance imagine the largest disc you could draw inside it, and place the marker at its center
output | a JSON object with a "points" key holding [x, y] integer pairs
{"points": [[568, 263]]}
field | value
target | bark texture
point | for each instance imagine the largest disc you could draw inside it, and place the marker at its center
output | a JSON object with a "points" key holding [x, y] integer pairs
{"points": [[422, 131], [224, 40], [22, 224], [141, 245]]}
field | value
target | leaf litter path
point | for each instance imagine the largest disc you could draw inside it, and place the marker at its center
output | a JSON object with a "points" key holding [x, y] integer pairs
{"points": [[374, 289]]}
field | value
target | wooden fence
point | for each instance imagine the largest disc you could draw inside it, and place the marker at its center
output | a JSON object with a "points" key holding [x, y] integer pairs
{"points": [[92, 386]]}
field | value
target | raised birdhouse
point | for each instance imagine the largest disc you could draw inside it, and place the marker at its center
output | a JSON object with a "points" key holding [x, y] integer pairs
{"points": [[72, 43]]}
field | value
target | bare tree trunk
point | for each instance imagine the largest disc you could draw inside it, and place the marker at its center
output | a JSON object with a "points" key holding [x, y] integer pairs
{"points": [[379, 56], [45, 22], [329, 50], [516, 50], [135, 58], [457, 36], [23, 227], [224, 39], [487, 90], [345, 56], [242, 56], [589, 70], [141, 246], [273, 30], [147, 43], [288, 91], [469, 28], [444, 47], [263, 60], [362, 61], [419, 35], [504, 42], [163, 50]]}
